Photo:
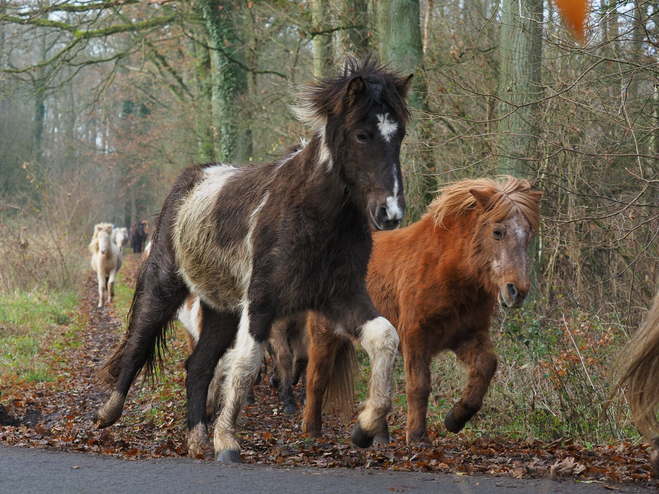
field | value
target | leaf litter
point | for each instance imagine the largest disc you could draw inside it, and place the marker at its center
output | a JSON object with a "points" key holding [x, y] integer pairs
{"points": [[58, 416]]}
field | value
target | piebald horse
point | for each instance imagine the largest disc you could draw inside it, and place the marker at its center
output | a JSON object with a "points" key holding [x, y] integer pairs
{"points": [[260, 243]]}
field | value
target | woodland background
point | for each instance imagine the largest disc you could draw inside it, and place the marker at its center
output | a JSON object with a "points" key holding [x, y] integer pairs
{"points": [[103, 102]]}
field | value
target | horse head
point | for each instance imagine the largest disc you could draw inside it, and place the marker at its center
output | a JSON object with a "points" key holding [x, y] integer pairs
{"points": [[510, 218], [361, 115]]}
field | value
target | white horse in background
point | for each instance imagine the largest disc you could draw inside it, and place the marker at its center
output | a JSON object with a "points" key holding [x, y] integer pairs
{"points": [[120, 238], [106, 261]]}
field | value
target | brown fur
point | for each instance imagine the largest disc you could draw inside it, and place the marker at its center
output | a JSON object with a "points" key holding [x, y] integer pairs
{"points": [[437, 281]]}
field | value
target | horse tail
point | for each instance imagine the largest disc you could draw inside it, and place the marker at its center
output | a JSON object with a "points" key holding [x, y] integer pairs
{"points": [[637, 370], [154, 344], [340, 394]]}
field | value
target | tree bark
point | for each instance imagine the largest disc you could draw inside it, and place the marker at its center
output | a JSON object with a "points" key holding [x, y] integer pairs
{"points": [[322, 43], [519, 84], [229, 82], [355, 13]]}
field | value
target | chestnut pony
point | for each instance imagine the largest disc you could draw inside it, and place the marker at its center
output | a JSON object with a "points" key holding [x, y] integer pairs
{"points": [[438, 281]]}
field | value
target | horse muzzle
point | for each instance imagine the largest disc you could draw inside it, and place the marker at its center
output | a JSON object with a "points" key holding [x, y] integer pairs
{"points": [[512, 297], [387, 216]]}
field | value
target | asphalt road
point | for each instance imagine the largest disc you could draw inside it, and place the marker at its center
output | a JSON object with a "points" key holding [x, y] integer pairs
{"points": [[27, 471]]}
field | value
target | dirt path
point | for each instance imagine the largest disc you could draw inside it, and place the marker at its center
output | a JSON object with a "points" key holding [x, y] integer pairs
{"points": [[58, 416]]}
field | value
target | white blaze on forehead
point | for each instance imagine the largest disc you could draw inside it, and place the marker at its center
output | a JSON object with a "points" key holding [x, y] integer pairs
{"points": [[386, 126]]}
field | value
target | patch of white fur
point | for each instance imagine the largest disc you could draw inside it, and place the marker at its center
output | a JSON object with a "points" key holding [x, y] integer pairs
{"points": [[194, 231], [324, 155], [241, 366], [380, 340], [386, 126], [190, 317]]}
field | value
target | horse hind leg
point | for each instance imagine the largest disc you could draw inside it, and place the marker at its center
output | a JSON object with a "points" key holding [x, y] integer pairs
{"points": [[481, 361], [417, 377], [206, 373], [283, 362], [155, 303], [323, 344]]}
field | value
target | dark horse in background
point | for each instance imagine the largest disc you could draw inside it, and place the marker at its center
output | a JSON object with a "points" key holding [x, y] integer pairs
{"points": [[438, 281], [138, 233], [265, 242]]}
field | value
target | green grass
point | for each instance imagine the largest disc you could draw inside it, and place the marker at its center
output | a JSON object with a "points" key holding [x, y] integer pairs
{"points": [[28, 322]]}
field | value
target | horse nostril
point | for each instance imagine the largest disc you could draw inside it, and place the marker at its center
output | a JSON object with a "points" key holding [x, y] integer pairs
{"points": [[382, 214], [512, 291]]}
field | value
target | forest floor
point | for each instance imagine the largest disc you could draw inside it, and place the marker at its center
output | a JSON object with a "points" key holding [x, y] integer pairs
{"points": [[58, 415]]}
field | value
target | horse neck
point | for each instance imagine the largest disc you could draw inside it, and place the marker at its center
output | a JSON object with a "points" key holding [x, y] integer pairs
{"points": [[324, 187]]}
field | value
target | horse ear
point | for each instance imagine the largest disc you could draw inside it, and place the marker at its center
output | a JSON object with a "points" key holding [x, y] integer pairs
{"points": [[355, 87], [483, 199], [404, 84]]}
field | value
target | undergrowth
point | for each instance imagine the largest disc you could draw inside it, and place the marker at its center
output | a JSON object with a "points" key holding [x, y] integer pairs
{"points": [[553, 380]]}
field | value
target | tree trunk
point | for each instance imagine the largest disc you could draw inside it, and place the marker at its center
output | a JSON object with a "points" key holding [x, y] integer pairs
{"points": [[201, 75], [229, 82], [322, 43], [519, 84], [355, 13]]}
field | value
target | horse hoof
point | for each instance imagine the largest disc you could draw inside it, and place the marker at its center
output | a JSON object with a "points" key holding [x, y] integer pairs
{"points": [[453, 425], [229, 456], [381, 438], [420, 442], [290, 409], [360, 437], [111, 411]]}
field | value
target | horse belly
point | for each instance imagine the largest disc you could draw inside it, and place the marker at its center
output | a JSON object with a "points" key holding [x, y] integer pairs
{"points": [[211, 241]]}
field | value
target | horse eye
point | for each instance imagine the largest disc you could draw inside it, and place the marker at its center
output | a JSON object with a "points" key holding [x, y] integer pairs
{"points": [[361, 137], [497, 233]]}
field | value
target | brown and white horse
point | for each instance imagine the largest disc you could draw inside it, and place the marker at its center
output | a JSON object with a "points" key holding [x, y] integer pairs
{"points": [[106, 261], [438, 281], [265, 242]]}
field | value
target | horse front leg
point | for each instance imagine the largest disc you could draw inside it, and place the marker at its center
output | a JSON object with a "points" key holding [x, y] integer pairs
{"points": [[242, 370], [481, 361], [417, 389], [379, 338], [111, 280], [100, 277], [218, 331]]}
